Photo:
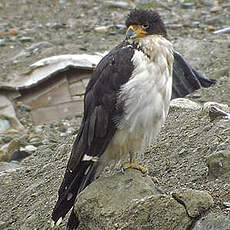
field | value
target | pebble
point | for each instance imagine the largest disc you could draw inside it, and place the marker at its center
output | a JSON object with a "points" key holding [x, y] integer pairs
{"points": [[215, 112], [120, 26], [101, 29], [222, 31], [25, 39], [12, 32], [39, 45], [226, 204], [187, 5], [4, 124], [38, 129], [117, 4], [209, 104], [28, 148], [184, 103], [215, 9], [2, 42], [36, 141], [210, 28], [58, 26]]}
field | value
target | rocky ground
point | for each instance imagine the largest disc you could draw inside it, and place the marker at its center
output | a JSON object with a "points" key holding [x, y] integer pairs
{"points": [[181, 157]]}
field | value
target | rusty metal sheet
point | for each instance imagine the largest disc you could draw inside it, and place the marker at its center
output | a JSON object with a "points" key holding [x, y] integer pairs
{"points": [[54, 113], [48, 94], [78, 74], [77, 88], [49, 67]]}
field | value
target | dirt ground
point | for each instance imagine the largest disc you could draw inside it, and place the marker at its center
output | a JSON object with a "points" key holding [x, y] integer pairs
{"points": [[35, 29]]}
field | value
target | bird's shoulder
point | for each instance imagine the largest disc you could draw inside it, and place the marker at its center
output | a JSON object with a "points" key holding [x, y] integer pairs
{"points": [[115, 68]]}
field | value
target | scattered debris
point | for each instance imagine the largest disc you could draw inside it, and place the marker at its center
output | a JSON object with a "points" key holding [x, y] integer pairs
{"points": [[101, 29], [8, 119], [218, 164], [2, 42], [117, 4], [25, 39], [54, 87], [222, 31], [184, 103], [4, 124], [216, 110], [13, 32]]}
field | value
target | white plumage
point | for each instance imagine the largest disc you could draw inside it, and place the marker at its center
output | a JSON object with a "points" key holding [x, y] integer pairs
{"points": [[147, 95]]}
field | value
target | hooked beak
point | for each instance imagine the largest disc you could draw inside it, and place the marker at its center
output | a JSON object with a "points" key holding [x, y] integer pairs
{"points": [[130, 34]]}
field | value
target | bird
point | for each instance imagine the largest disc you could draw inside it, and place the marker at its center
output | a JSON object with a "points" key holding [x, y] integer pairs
{"points": [[126, 102]]}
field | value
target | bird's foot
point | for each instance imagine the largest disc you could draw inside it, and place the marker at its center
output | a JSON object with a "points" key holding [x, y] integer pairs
{"points": [[134, 165]]}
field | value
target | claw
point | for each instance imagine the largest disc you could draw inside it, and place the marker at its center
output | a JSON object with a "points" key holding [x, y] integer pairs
{"points": [[134, 165]]}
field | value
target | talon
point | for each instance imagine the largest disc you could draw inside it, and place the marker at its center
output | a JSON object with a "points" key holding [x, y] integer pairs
{"points": [[134, 165]]}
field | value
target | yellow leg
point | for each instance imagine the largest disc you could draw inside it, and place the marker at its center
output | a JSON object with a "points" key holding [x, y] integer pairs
{"points": [[133, 164]]}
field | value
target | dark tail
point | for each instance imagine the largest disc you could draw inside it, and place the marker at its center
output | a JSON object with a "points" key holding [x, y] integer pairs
{"points": [[73, 183]]}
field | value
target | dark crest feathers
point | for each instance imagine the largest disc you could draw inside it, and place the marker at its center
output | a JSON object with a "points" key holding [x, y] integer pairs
{"points": [[147, 17]]}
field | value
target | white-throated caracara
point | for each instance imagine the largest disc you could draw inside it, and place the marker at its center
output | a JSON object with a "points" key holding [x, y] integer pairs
{"points": [[126, 102]]}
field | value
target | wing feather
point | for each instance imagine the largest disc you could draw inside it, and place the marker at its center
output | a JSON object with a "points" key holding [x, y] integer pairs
{"points": [[98, 126]]}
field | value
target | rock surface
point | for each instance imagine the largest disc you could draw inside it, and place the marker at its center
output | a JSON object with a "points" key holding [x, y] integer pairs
{"points": [[130, 200], [219, 164], [213, 222], [195, 202], [178, 155]]}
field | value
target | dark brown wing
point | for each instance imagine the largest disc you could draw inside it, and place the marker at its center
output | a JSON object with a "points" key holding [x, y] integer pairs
{"points": [[98, 126], [186, 79]]}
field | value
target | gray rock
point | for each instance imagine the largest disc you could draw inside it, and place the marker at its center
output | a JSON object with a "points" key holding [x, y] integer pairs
{"points": [[4, 124], [25, 39], [184, 103], [129, 201], [39, 45], [213, 222], [218, 164], [7, 112], [6, 167], [2, 42], [8, 149], [195, 202], [117, 4]]}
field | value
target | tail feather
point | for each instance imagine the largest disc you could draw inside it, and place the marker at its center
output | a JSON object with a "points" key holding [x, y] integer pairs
{"points": [[73, 183], [73, 221]]}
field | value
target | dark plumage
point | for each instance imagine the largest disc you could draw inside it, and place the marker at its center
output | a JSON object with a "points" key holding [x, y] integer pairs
{"points": [[150, 19], [106, 113], [97, 127]]}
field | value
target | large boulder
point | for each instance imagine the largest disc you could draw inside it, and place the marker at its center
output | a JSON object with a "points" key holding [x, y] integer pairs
{"points": [[130, 200]]}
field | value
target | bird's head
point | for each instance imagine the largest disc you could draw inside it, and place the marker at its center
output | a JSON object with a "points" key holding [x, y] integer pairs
{"points": [[141, 23]]}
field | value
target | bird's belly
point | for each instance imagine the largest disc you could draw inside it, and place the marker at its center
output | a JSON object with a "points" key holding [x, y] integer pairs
{"points": [[142, 121], [146, 98], [140, 129]]}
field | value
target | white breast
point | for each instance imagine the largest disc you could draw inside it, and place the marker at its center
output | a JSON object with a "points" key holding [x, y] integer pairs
{"points": [[146, 95]]}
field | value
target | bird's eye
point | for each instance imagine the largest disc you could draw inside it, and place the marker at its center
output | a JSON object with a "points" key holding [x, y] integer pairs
{"points": [[146, 26]]}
